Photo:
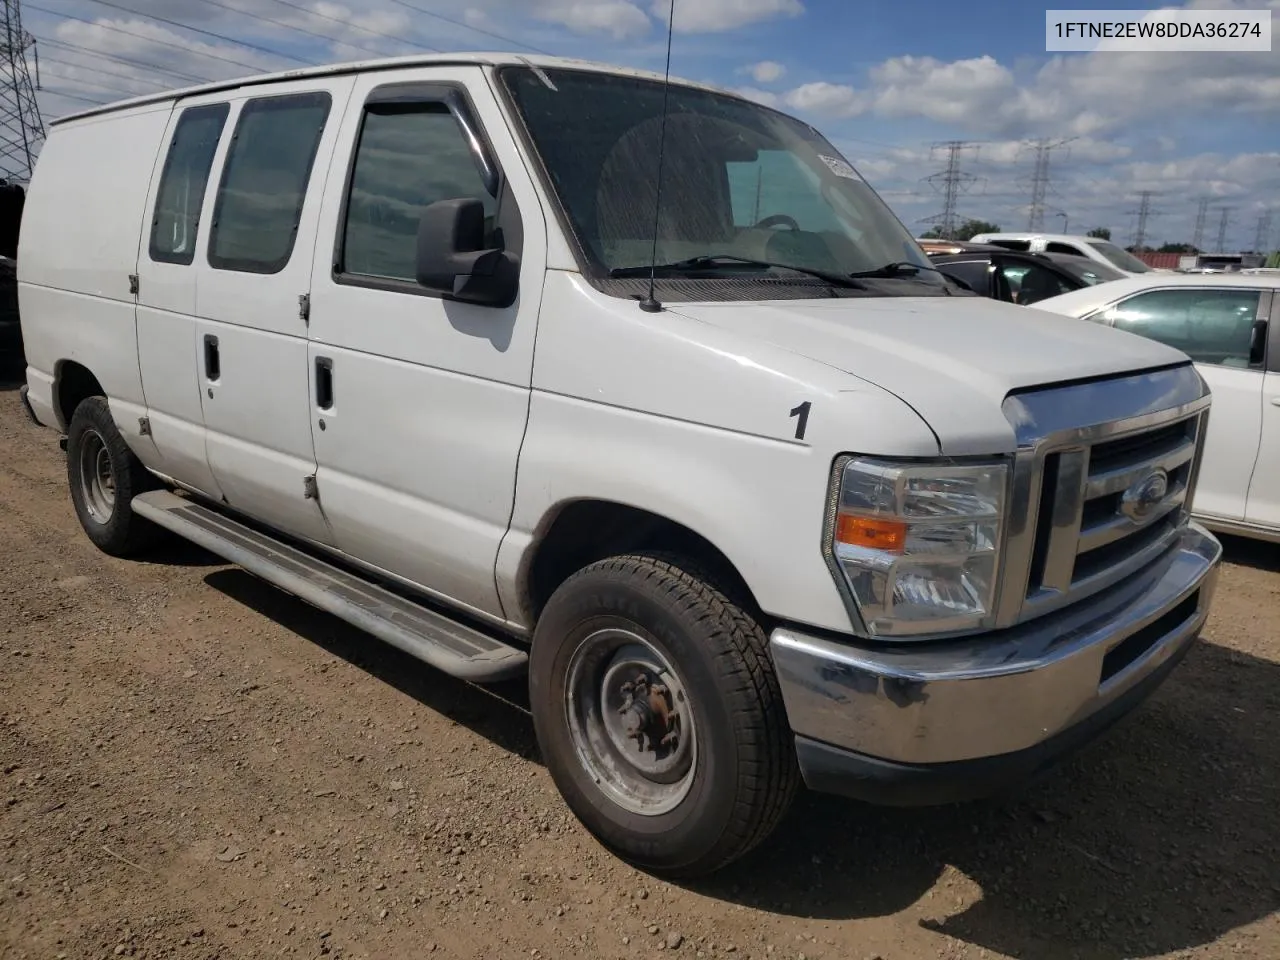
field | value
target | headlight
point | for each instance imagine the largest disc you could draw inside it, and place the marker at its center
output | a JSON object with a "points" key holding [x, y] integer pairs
{"points": [[918, 546]]}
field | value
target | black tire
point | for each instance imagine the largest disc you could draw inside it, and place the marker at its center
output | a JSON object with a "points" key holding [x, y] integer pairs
{"points": [[745, 772], [93, 442]]}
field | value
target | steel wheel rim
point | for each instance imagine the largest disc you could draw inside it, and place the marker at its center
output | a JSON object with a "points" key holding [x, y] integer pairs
{"points": [[97, 479], [641, 758]]}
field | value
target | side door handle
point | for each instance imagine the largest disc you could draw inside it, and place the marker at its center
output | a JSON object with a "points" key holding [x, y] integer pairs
{"points": [[324, 383], [212, 360]]}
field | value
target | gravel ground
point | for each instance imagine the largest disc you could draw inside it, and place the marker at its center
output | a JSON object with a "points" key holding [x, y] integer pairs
{"points": [[193, 764]]}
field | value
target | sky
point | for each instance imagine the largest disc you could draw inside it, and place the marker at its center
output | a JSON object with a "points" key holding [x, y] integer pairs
{"points": [[887, 82]]}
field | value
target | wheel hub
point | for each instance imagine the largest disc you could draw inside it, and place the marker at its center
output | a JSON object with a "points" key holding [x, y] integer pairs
{"points": [[97, 479], [630, 719]]}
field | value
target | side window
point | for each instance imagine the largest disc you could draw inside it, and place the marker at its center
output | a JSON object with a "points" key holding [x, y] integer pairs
{"points": [[176, 219], [1210, 326], [1030, 283], [409, 156], [1054, 247], [264, 182], [974, 273]]}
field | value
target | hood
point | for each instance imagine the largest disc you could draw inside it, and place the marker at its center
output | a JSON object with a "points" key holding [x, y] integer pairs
{"points": [[952, 359]]}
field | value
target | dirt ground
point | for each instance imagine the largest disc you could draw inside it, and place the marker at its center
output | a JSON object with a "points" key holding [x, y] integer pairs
{"points": [[193, 764]]}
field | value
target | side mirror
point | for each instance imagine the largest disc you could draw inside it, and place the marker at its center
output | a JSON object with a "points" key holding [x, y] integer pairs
{"points": [[1258, 342], [452, 258]]}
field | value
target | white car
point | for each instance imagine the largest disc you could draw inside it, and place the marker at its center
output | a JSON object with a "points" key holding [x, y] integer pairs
{"points": [[1230, 326], [784, 505], [1095, 248]]}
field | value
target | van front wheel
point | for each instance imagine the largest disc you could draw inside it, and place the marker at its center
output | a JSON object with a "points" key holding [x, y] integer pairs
{"points": [[659, 716], [104, 476]]}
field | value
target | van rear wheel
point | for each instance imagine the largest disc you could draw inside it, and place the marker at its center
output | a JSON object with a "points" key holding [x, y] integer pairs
{"points": [[104, 476], [659, 716]]}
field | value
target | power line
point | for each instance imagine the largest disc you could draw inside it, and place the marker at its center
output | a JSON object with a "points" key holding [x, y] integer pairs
{"points": [[142, 36], [208, 33], [154, 67], [106, 73], [953, 182], [356, 26], [1202, 211], [21, 128], [467, 26], [288, 26], [98, 85], [74, 96]]}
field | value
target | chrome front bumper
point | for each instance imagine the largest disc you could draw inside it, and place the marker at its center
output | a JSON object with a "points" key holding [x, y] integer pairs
{"points": [[1008, 694]]}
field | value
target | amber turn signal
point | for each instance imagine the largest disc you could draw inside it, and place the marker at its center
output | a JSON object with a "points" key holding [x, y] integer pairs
{"points": [[872, 533]]}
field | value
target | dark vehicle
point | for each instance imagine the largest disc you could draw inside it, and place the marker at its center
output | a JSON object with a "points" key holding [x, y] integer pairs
{"points": [[1017, 277], [12, 199]]}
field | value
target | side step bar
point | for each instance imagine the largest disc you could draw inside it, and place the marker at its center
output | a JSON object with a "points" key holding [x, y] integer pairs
{"points": [[435, 639]]}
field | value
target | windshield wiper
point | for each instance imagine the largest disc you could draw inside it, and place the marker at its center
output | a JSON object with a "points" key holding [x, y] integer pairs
{"points": [[725, 259], [899, 268]]}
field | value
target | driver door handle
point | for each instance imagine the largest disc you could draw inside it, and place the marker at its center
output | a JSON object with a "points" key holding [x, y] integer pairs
{"points": [[324, 383]]}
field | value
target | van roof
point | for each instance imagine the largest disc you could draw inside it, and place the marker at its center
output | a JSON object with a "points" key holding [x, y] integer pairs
{"points": [[383, 63]]}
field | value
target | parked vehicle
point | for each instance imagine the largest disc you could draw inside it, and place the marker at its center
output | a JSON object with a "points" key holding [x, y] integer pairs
{"points": [[10, 328], [784, 505], [1094, 248], [1022, 278], [1230, 326]]}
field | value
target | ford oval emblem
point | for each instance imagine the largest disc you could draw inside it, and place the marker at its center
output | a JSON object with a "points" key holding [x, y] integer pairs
{"points": [[1145, 495]]}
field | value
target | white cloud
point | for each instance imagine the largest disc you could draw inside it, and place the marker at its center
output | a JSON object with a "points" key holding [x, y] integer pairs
{"points": [[829, 99], [766, 71], [717, 16], [620, 19]]}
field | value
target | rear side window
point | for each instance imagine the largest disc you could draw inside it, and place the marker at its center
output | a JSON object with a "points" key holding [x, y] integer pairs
{"points": [[1210, 326], [1056, 247], [410, 155], [186, 173], [1022, 245], [264, 182]]}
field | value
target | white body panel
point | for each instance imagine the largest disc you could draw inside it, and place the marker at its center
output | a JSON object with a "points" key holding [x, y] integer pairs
{"points": [[1263, 506], [75, 257], [1231, 443]]}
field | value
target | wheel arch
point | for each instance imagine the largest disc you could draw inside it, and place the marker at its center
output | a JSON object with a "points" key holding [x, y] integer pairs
{"points": [[73, 383], [575, 533]]}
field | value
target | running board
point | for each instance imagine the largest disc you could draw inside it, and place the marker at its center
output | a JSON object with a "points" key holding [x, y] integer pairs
{"points": [[433, 638]]}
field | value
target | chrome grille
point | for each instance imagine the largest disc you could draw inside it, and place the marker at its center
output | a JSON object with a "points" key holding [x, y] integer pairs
{"points": [[1102, 483]]}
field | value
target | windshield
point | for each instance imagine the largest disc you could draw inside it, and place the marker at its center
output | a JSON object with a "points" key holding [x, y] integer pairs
{"points": [[1121, 258], [739, 181]]}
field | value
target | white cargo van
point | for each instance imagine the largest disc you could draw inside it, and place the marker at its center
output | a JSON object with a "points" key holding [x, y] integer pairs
{"points": [[383, 335]]}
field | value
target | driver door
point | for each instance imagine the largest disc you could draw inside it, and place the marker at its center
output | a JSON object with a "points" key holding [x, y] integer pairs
{"points": [[418, 404]]}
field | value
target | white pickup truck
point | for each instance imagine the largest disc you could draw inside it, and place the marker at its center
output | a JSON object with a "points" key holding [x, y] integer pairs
{"points": [[382, 334]]}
